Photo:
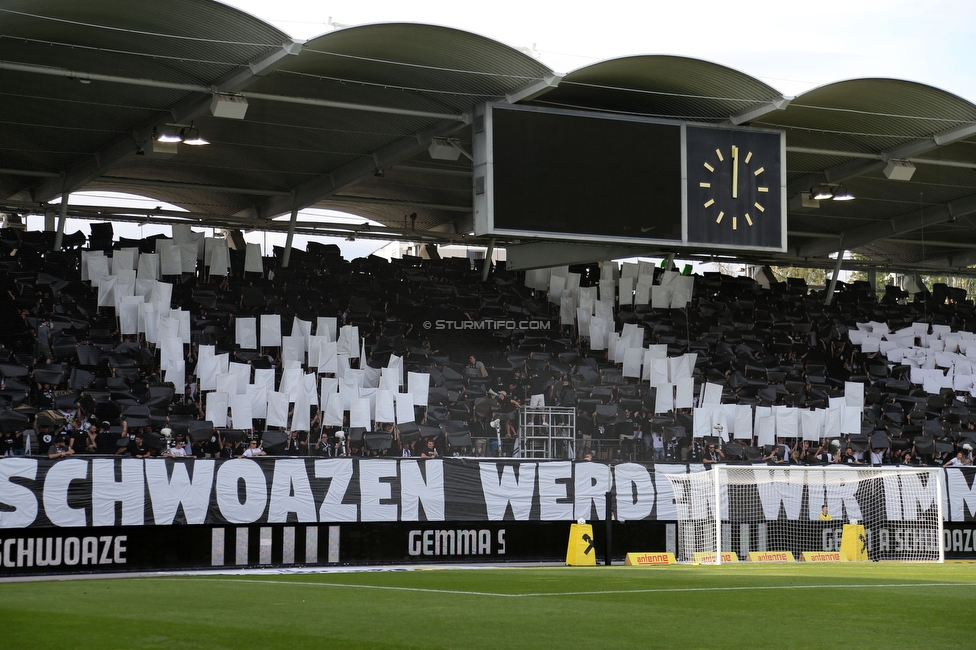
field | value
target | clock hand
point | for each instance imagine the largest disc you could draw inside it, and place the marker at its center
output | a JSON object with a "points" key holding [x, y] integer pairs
{"points": [[735, 172]]}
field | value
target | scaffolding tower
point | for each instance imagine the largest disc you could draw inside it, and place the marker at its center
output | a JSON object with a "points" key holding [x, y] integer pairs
{"points": [[547, 432]]}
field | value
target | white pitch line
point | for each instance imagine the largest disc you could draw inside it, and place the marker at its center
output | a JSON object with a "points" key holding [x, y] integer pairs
{"points": [[901, 585], [755, 588], [339, 584]]}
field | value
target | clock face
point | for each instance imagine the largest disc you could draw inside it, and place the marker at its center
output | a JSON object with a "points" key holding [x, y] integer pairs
{"points": [[734, 188]]}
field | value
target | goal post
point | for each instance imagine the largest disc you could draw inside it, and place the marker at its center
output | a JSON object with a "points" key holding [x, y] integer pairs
{"points": [[831, 512]]}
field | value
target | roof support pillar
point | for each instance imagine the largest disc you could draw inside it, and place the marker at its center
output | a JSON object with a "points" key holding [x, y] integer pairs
{"points": [[286, 257], [488, 253], [833, 278], [668, 262], [62, 218], [919, 283]]}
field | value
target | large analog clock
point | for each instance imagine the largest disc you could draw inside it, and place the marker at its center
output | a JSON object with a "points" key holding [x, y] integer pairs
{"points": [[734, 187]]}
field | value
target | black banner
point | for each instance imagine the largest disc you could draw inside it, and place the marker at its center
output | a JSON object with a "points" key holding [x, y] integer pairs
{"points": [[99, 492], [141, 548]]}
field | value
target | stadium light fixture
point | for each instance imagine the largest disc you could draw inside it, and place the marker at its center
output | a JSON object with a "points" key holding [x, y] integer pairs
{"points": [[821, 193], [178, 133], [842, 194], [825, 192], [167, 134], [191, 136]]}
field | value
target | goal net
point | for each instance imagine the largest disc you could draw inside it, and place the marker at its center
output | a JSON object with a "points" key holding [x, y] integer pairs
{"points": [[809, 513]]}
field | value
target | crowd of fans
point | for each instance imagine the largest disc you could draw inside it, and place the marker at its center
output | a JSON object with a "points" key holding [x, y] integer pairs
{"points": [[76, 386]]}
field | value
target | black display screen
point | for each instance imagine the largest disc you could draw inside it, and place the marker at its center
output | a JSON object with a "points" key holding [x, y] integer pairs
{"points": [[578, 175]]}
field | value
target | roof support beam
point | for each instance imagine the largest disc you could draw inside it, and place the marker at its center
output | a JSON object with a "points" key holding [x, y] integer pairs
{"points": [[461, 225], [545, 254], [120, 148], [24, 172], [335, 198], [262, 66], [52, 71], [858, 167], [145, 182], [218, 221], [958, 261], [905, 223], [534, 89], [327, 185], [437, 170], [776, 104], [962, 164], [221, 87], [259, 67]]}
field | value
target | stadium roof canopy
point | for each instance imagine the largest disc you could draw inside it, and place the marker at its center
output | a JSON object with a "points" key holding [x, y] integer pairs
{"points": [[345, 121]]}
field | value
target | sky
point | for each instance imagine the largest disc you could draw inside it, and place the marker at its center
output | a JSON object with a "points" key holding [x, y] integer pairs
{"points": [[792, 46]]}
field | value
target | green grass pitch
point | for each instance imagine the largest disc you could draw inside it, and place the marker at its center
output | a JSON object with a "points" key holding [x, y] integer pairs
{"points": [[782, 606]]}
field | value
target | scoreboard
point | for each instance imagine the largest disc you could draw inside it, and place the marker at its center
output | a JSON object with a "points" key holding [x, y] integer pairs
{"points": [[583, 176]]}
